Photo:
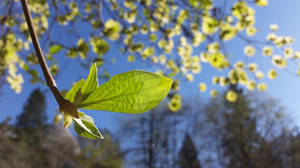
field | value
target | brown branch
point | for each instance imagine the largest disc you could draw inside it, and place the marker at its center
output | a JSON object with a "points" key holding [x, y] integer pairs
{"points": [[64, 105], [100, 12]]}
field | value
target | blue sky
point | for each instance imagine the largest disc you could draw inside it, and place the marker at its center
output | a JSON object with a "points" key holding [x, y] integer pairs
{"points": [[286, 87]]}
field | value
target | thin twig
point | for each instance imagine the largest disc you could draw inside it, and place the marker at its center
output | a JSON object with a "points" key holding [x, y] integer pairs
{"points": [[64, 105], [49, 79]]}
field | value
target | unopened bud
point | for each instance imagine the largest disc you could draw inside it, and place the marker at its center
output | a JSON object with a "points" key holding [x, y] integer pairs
{"points": [[68, 119]]}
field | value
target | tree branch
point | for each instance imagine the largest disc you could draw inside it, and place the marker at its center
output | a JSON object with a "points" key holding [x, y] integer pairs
{"points": [[64, 105], [49, 79]]}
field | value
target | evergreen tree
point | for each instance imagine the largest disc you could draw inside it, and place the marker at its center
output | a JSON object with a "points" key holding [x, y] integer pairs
{"points": [[240, 134], [188, 155], [293, 151], [242, 143], [31, 127], [34, 112]]}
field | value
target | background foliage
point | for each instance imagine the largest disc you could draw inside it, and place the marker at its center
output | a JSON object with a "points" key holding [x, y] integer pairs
{"points": [[183, 37]]}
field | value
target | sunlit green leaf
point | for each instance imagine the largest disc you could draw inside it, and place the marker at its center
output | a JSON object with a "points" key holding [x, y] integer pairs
{"points": [[91, 82], [54, 49], [201, 3], [130, 92], [100, 46], [73, 91]]}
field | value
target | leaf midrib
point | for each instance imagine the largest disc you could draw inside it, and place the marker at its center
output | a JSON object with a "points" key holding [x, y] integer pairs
{"points": [[111, 98]]}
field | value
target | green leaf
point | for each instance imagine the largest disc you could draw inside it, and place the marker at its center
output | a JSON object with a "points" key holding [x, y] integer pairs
{"points": [[71, 94], [130, 92], [84, 126], [91, 82], [54, 49], [201, 3], [100, 46], [82, 88]]}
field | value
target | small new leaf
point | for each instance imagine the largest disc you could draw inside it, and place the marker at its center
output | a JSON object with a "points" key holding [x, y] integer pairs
{"points": [[91, 82], [71, 94], [55, 49], [84, 126]]}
